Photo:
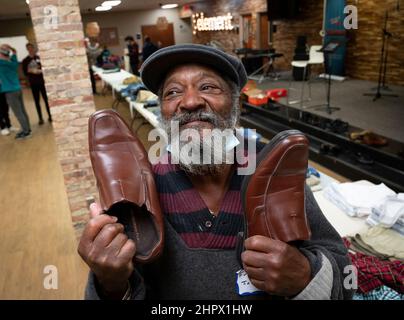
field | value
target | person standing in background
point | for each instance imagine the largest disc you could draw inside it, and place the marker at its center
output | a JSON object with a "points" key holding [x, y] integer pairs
{"points": [[133, 49], [5, 124], [93, 51], [148, 48], [32, 68], [10, 85]]}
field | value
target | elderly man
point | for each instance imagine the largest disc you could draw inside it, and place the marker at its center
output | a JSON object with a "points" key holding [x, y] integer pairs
{"points": [[199, 86]]}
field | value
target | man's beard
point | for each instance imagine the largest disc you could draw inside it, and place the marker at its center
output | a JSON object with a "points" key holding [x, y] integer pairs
{"points": [[218, 150]]}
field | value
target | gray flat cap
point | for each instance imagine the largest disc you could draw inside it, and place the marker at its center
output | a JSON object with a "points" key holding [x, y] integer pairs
{"points": [[156, 67]]}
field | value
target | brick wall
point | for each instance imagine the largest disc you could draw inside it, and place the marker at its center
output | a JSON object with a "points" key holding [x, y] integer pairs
{"points": [[364, 46], [363, 50], [309, 24], [68, 86]]}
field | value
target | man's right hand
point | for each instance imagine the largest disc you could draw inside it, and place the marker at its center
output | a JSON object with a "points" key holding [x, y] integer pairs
{"points": [[108, 252]]}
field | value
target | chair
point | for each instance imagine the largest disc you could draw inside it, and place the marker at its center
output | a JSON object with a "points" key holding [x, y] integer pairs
{"points": [[315, 58]]}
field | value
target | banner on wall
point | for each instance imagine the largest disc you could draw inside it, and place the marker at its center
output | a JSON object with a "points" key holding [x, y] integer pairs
{"points": [[335, 32]]}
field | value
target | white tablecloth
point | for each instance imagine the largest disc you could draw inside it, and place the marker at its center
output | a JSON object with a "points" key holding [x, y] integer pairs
{"points": [[144, 112], [114, 79], [344, 224]]}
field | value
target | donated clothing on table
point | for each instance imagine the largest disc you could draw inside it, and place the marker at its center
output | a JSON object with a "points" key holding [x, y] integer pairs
{"points": [[312, 172], [399, 226], [131, 80], [199, 259], [314, 183], [388, 213], [313, 179], [357, 198], [132, 90], [151, 103], [374, 273], [9, 81], [356, 244], [374, 220], [382, 293], [145, 95], [385, 241]]}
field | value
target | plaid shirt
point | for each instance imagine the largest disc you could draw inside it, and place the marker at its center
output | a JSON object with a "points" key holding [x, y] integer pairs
{"points": [[374, 273], [381, 293]]}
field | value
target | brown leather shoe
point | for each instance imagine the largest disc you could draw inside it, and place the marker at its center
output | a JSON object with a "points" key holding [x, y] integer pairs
{"points": [[273, 197], [125, 182]]}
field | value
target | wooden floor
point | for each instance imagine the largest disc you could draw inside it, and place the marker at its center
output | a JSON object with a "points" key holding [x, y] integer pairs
{"points": [[35, 224]]}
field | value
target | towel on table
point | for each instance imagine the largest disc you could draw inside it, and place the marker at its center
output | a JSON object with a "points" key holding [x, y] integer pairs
{"points": [[357, 198]]}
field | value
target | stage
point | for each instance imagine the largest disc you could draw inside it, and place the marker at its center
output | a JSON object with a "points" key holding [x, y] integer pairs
{"points": [[384, 116]]}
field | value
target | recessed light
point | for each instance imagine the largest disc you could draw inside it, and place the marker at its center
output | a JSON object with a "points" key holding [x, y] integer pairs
{"points": [[111, 3], [103, 8], [169, 6]]}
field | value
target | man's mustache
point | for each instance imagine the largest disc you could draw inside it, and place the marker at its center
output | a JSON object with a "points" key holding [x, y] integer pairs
{"points": [[185, 118]]}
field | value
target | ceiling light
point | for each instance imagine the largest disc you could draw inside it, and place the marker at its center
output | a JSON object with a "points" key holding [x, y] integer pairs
{"points": [[111, 3], [27, 1], [169, 6], [103, 8]]}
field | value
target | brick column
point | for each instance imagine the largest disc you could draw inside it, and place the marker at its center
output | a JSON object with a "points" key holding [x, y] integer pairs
{"points": [[59, 34]]}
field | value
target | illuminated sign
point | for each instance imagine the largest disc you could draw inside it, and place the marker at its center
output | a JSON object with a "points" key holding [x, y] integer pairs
{"points": [[219, 23]]}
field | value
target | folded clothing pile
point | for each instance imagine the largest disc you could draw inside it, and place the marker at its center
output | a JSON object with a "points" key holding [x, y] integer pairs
{"points": [[385, 244], [313, 179], [111, 64], [110, 68], [357, 199], [132, 90], [399, 226], [131, 80], [147, 97], [389, 214]]}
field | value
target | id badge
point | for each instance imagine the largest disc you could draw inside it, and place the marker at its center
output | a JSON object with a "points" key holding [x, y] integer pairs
{"points": [[244, 286]]}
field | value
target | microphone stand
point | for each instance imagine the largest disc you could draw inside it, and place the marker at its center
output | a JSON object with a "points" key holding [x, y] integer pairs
{"points": [[383, 64], [384, 86]]}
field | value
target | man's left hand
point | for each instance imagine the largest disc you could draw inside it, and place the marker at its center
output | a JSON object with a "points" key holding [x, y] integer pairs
{"points": [[275, 266]]}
